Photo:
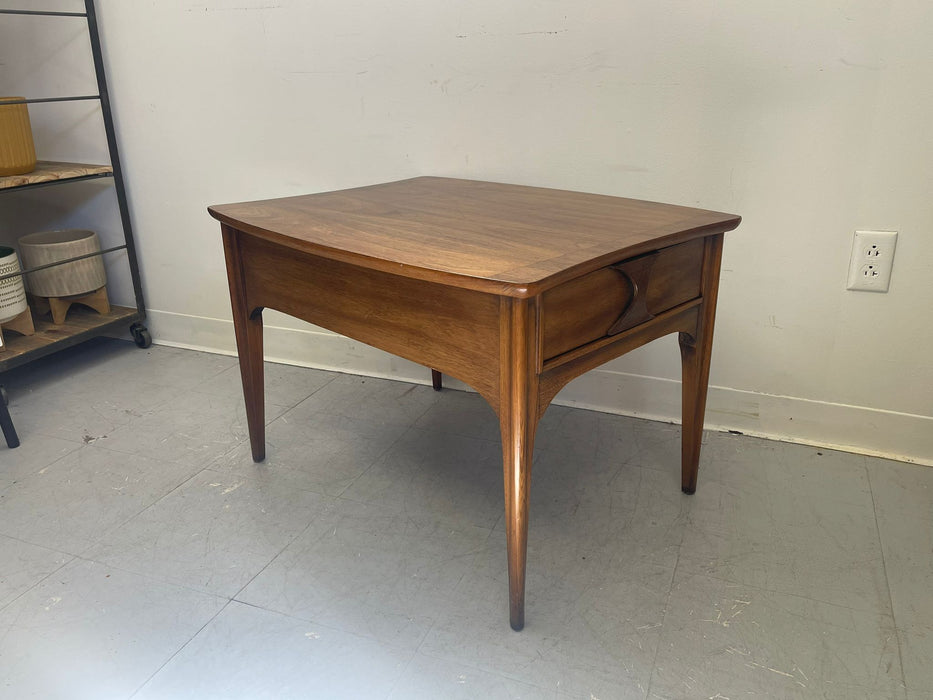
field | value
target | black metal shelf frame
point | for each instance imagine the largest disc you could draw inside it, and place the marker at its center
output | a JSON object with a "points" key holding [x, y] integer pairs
{"points": [[43, 13], [103, 95], [43, 100], [90, 15], [95, 254]]}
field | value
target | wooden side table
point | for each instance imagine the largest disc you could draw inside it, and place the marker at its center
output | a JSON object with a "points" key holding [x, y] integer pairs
{"points": [[513, 290]]}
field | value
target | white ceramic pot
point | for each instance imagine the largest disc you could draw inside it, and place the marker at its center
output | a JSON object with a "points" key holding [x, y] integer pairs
{"points": [[79, 277], [12, 292]]}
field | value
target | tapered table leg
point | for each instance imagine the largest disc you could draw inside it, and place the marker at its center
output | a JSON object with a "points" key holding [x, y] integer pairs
{"points": [[517, 448], [437, 380], [247, 324], [695, 382], [518, 419], [695, 352], [6, 424]]}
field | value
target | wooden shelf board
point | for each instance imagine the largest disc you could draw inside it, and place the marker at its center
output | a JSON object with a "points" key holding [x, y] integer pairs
{"points": [[80, 324], [50, 171]]}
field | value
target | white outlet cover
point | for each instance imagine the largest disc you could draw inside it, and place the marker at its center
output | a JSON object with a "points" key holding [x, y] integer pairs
{"points": [[871, 260]]}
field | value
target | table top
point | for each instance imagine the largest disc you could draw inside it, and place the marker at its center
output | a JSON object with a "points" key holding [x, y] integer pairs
{"points": [[507, 239]]}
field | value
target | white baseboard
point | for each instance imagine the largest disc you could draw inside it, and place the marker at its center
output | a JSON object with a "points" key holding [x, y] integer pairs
{"points": [[889, 434]]}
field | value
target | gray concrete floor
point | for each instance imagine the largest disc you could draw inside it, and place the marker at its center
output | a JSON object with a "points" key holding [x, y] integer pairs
{"points": [[144, 555]]}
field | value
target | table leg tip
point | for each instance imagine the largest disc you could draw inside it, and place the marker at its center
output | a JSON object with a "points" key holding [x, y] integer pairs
{"points": [[689, 490], [517, 617]]}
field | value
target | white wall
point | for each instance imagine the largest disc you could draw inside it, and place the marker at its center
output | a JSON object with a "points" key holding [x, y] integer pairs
{"points": [[810, 119]]}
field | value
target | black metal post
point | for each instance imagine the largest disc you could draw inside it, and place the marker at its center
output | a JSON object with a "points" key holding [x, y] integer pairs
{"points": [[114, 154], [6, 423]]}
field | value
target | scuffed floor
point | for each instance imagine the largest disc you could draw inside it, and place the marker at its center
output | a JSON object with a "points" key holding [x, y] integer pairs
{"points": [[144, 555]]}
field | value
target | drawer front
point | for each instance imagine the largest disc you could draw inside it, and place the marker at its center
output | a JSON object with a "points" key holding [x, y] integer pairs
{"points": [[618, 297]]}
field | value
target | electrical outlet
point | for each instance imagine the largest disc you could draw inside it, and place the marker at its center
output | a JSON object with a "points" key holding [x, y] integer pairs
{"points": [[871, 260]]}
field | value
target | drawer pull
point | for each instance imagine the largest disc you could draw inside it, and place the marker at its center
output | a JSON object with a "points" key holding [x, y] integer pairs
{"points": [[637, 273], [619, 297]]}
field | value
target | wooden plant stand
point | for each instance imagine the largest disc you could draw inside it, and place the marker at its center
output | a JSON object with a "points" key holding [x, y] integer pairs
{"points": [[21, 324], [59, 306]]}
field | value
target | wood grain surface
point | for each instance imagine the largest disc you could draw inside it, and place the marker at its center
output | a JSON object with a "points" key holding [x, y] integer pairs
{"points": [[453, 330], [49, 171], [79, 321], [504, 239]]}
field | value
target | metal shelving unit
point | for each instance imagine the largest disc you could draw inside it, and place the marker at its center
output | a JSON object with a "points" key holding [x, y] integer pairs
{"points": [[80, 325]]}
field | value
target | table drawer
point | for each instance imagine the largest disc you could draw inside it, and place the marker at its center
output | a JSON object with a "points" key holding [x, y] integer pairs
{"points": [[619, 296]]}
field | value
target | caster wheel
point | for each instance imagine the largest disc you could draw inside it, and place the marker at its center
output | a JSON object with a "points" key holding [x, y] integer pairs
{"points": [[141, 335]]}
